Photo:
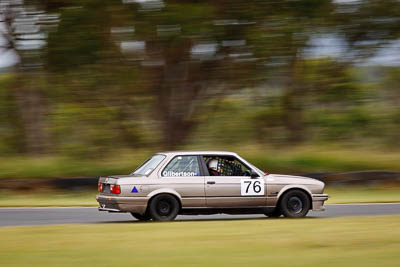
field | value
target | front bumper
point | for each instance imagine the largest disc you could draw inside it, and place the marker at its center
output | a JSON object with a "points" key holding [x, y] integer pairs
{"points": [[122, 204], [318, 201]]}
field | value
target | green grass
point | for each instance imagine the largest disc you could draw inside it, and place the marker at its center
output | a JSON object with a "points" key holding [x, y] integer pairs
{"points": [[339, 195], [49, 198], [304, 159], [364, 242]]}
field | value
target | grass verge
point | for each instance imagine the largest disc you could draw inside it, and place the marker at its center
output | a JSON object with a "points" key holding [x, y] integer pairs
{"points": [[342, 195], [49, 199], [366, 241]]}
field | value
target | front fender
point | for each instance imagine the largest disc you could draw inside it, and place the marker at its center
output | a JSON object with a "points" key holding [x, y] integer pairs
{"points": [[288, 187]]}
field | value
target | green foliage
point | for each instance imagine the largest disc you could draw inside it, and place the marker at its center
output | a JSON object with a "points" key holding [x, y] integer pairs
{"points": [[282, 159], [343, 124], [330, 81]]}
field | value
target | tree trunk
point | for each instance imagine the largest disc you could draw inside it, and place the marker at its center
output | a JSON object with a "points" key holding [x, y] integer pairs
{"points": [[31, 106], [177, 88], [175, 104], [292, 103], [32, 112]]}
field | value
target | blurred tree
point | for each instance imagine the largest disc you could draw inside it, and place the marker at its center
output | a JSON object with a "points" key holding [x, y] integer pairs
{"points": [[93, 76], [124, 65], [391, 85], [24, 31], [185, 52], [194, 51], [203, 48], [329, 82], [366, 26]]}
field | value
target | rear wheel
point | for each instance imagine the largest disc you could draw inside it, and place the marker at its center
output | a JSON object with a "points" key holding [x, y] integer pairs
{"points": [[140, 217], [163, 207], [295, 204]]}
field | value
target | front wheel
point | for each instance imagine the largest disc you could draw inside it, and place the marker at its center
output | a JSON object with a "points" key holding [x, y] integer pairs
{"points": [[163, 207], [295, 204]]}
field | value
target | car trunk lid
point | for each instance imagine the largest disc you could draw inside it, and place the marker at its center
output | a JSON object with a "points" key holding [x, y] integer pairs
{"points": [[106, 182]]}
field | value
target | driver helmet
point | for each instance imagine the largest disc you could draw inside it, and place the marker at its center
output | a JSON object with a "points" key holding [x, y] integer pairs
{"points": [[213, 164]]}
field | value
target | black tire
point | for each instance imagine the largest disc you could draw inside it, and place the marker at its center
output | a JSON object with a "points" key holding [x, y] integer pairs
{"points": [[274, 214], [295, 204], [140, 217], [163, 207]]}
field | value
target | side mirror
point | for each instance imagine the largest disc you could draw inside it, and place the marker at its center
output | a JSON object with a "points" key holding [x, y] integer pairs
{"points": [[253, 174]]}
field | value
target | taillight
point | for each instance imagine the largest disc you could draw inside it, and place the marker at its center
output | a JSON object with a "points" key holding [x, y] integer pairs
{"points": [[115, 189], [100, 187]]}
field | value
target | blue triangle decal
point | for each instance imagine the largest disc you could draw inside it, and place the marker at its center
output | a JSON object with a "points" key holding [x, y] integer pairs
{"points": [[134, 190]]}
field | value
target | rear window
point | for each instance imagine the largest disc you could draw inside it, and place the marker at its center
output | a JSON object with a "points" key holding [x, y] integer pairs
{"points": [[149, 165]]}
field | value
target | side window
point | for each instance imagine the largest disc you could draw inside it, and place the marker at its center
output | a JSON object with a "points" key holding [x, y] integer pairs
{"points": [[225, 166], [182, 166]]}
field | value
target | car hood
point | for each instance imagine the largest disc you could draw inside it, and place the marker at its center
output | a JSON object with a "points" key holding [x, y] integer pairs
{"points": [[292, 179]]}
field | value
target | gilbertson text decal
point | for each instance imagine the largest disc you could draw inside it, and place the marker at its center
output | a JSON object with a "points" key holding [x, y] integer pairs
{"points": [[172, 173]]}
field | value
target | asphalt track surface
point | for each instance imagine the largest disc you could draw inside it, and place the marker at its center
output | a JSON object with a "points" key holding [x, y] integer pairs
{"points": [[47, 216]]}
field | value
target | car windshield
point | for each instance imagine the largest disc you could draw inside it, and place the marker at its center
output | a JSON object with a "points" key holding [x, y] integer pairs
{"points": [[259, 169], [149, 165]]}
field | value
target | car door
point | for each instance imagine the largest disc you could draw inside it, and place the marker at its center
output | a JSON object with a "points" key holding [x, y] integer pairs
{"points": [[234, 191], [182, 174]]}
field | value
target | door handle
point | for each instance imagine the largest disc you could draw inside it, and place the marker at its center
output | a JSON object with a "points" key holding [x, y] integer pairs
{"points": [[210, 182]]}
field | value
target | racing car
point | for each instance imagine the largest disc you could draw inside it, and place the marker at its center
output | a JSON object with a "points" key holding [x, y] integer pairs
{"points": [[207, 182]]}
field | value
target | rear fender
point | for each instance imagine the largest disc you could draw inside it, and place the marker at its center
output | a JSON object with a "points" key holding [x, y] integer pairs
{"points": [[165, 191]]}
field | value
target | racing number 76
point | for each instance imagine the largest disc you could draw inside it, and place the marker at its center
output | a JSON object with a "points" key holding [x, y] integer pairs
{"points": [[252, 187], [256, 186]]}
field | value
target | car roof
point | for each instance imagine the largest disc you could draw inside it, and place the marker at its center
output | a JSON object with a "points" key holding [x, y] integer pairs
{"points": [[205, 152]]}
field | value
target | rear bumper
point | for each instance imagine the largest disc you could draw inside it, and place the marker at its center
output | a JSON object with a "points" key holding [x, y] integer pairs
{"points": [[108, 209], [122, 204], [318, 201]]}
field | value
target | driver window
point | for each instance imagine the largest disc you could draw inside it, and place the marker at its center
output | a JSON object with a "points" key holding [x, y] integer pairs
{"points": [[225, 166], [182, 166]]}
